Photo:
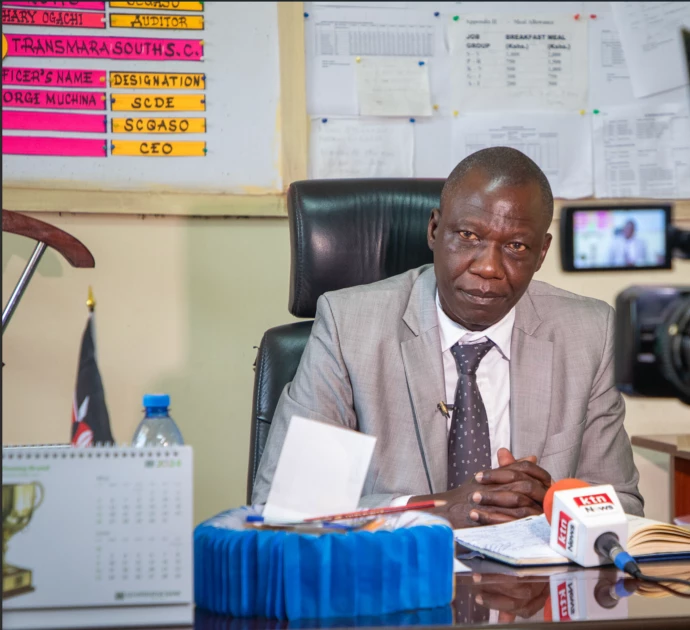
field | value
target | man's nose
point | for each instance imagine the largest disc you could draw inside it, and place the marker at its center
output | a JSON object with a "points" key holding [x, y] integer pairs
{"points": [[488, 262]]}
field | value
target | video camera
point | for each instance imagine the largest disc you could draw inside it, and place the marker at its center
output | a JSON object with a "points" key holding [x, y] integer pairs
{"points": [[652, 322]]}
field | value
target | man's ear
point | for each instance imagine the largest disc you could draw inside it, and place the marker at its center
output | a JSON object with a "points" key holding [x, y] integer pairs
{"points": [[544, 250], [432, 228]]}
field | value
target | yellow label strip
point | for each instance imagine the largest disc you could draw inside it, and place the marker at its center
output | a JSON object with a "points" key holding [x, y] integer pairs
{"points": [[156, 103], [158, 148], [158, 125], [154, 80], [161, 6], [149, 20]]}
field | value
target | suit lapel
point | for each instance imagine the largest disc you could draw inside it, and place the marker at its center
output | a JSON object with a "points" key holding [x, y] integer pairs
{"points": [[424, 372], [530, 382]]}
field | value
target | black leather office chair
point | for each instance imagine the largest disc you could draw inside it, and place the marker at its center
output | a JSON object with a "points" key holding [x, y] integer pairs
{"points": [[342, 233]]}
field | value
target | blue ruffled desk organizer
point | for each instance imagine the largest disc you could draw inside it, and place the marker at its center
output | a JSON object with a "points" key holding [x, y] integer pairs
{"points": [[253, 572]]}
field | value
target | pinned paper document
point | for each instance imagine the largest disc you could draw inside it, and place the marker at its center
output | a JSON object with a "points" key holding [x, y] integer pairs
{"points": [[360, 147], [321, 470], [393, 86]]}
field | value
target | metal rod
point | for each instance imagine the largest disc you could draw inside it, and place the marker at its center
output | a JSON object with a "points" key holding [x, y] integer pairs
{"points": [[22, 284]]}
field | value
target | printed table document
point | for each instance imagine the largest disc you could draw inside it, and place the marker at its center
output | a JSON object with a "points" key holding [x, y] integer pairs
{"points": [[559, 143], [335, 37], [642, 150], [503, 62]]}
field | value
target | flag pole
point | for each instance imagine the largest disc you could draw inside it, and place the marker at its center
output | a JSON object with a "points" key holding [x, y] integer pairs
{"points": [[90, 301]]}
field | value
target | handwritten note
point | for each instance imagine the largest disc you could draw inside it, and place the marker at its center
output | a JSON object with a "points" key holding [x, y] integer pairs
{"points": [[526, 540], [158, 125], [148, 148], [45, 121], [48, 99], [39, 17], [66, 147], [148, 20], [149, 80], [29, 45], [361, 148], [150, 102], [519, 62], [393, 86], [55, 77], [167, 6]]}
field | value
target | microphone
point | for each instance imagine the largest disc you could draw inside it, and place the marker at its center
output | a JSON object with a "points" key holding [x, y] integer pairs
{"points": [[572, 598], [588, 524]]}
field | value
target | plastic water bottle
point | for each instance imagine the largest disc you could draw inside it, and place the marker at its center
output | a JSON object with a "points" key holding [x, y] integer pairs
{"points": [[157, 428]]}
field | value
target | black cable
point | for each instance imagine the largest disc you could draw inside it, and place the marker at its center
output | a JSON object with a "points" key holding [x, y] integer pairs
{"points": [[638, 575]]}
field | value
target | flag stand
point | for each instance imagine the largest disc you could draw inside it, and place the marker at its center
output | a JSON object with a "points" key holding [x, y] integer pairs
{"points": [[74, 251]]}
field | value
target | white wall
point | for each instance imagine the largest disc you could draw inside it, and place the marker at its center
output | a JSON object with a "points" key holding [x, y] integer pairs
{"points": [[181, 305]]}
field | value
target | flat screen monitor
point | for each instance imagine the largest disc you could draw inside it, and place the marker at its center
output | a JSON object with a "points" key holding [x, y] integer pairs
{"points": [[613, 238]]}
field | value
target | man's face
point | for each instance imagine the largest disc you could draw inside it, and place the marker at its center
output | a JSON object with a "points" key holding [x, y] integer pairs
{"points": [[488, 241], [629, 230]]}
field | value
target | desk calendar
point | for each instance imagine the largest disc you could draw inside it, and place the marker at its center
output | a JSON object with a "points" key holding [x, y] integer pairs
{"points": [[96, 536]]}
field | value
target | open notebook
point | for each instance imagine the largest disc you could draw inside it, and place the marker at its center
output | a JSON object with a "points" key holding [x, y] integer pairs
{"points": [[525, 542]]}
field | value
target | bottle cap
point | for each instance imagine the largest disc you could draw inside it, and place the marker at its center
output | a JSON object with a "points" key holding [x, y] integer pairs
{"points": [[156, 400]]}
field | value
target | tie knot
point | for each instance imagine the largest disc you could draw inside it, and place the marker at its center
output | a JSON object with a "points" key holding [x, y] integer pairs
{"points": [[468, 356]]}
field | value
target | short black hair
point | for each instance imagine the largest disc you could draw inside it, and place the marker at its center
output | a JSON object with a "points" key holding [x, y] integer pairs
{"points": [[510, 166]]}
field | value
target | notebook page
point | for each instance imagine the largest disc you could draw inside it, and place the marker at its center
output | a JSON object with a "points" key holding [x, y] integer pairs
{"points": [[526, 539]]}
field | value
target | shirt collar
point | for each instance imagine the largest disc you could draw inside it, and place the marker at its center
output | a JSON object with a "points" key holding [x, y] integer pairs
{"points": [[451, 332]]}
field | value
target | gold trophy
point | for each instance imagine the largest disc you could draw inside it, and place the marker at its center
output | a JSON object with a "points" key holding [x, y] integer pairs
{"points": [[19, 500]]}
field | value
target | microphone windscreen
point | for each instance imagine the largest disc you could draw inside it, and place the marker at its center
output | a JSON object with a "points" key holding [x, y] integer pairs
{"points": [[563, 484]]}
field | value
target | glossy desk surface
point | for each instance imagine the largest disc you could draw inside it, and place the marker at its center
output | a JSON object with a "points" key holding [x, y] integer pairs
{"points": [[494, 594]]}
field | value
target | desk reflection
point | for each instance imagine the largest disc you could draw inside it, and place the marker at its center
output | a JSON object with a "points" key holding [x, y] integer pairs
{"points": [[495, 594]]}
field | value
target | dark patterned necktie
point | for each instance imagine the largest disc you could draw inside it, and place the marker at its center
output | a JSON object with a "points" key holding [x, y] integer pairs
{"points": [[469, 443]]}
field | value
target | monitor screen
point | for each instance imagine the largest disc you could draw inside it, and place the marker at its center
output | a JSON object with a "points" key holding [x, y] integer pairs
{"points": [[619, 238]]}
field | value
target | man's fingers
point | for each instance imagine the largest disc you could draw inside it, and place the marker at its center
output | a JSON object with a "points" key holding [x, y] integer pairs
{"points": [[486, 517], [507, 498], [491, 515], [505, 457], [514, 472]]}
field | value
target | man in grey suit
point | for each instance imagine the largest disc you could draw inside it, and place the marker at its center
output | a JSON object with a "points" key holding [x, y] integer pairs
{"points": [[481, 385]]}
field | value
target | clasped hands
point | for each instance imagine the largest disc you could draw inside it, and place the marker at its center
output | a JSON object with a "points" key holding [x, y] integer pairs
{"points": [[514, 490]]}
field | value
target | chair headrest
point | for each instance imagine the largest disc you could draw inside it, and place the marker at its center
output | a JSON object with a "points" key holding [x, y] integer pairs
{"points": [[346, 232]]}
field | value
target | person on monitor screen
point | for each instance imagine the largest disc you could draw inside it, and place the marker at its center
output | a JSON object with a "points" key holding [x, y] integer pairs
{"points": [[627, 249], [480, 384]]}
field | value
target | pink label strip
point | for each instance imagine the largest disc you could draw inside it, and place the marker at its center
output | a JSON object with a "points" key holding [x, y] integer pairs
{"points": [[44, 121], [149, 49], [52, 19], [50, 99], [86, 6], [54, 77], [68, 147]]}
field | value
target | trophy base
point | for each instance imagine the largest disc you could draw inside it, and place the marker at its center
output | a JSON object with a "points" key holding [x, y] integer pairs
{"points": [[15, 581]]}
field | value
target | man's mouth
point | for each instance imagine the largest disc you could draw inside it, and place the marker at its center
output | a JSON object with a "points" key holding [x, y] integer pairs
{"points": [[481, 297]]}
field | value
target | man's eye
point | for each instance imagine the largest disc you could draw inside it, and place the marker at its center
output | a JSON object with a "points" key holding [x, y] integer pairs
{"points": [[518, 247], [467, 235]]}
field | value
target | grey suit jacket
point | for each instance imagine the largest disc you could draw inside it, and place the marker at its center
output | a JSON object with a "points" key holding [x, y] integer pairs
{"points": [[373, 363]]}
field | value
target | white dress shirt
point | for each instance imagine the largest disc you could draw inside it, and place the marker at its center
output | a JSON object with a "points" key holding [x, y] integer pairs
{"points": [[493, 375]]}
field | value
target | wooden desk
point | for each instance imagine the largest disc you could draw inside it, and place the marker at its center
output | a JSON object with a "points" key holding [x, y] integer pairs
{"points": [[678, 448]]}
